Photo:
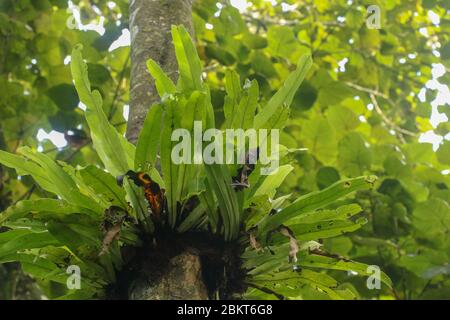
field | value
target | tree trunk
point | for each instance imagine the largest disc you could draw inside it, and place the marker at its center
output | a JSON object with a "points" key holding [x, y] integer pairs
{"points": [[181, 279], [150, 28]]}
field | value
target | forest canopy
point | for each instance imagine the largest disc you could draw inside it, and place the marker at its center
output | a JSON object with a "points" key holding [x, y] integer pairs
{"points": [[361, 100]]}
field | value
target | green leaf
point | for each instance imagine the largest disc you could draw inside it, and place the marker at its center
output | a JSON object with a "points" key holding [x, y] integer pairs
{"points": [[219, 179], [11, 234], [282, 41], [285, 94], [333, 92], [189, 65], [190, 69], [136, 196], [432, 218], [38, 267], [316, 261], [419, 152], [28, 241], [354, 18], [254, 41], [269, 184], [116, 153], [68, 236], [319, 137], [164, 84], [27, 167], [99, 74], [315, 200], [169, 169], [342, 119], [342, 213], [53, 206], [34, 224], [64, 96], [325, 229], [305, 97], [44, 269], [103, 186], [243, 116], [279, 119], [231, 21], [443, 153], [64, 184], [262, 64], [233, 89], [194, 109], [326, 176], [149, 139], [290, 283], [192, 219], [208, 201], [220, 54], [354, 156]]}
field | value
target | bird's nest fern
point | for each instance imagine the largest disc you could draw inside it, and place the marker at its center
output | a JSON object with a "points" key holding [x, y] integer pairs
{"points": [[94, 213]]}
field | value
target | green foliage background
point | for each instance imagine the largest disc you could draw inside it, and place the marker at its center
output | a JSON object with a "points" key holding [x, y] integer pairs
{"points": [[362, 118]]}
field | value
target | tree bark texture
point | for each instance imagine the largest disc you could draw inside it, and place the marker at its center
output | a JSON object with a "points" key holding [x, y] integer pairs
{"points": [[14, 284], [181, 280], [150, 24], [150, 28]]}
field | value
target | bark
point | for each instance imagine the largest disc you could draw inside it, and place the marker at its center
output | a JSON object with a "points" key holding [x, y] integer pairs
{"points": [[150, 24], [182, 280], [150, 28]]}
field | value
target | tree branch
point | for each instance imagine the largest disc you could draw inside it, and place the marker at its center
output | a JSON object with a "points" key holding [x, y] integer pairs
{"points": [[373, 94]]}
